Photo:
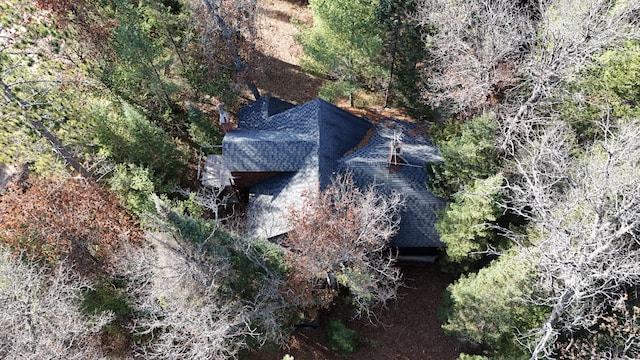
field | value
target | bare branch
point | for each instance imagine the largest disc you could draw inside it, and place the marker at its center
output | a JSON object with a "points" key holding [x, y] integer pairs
{"points": [[341, 237], [41, 316], [585, 214]]}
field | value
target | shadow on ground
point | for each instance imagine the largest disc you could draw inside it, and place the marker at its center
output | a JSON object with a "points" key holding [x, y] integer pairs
{"points": [[286, 81], [408, 329]]}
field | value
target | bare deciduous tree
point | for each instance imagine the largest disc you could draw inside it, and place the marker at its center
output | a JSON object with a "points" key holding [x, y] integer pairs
{"points": [[180, 289], [41, 316], [619, 337], [269, 307], [583, 210], [342, 237], [175, 292], [585, 216], [514, 57], [475, 48]]}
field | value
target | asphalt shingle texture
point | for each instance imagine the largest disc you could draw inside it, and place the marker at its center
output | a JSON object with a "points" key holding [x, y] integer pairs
{"points": [[307, 144], [369, 165]]}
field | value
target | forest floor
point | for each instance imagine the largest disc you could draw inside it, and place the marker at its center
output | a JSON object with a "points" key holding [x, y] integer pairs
{"points": [[409, 328], [275, 67]]}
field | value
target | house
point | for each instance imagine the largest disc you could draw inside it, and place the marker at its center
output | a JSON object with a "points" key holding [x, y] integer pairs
{"points": [[280, 152]]}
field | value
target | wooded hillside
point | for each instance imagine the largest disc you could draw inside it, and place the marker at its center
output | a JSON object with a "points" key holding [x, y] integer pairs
{"points": [[110, 247]]}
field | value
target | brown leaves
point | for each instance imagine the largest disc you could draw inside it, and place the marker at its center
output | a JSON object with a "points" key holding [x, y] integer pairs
{"points": [[50, 219], [341, 237]]}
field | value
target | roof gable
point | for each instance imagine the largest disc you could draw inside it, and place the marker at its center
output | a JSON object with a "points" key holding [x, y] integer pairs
{"points": [[369, 165], [340, 132], [416, 148], [254, 115], [286, 140], [308, 143]]}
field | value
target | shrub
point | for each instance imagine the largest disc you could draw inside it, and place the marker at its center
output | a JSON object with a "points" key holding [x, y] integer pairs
{"points": [[342, 339], [489, 307], [131, 138], [468, 152], [49, 219], [201, 129], [134, 185], [472, 357]]}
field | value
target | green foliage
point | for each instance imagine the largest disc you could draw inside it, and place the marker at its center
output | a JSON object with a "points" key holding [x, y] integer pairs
{"points": [[157, 59], [142, 56], [21, 144], [201, 129], [358, 283], [400, 48], [31, 75], [344, 42], [621, 73], [189, 206], [610, 87], [107, 295], [134, 185], [342, 339], [246, 276], [128, 137], [207, 82], [466, 157], [446, 131], [333, 90], [195, 230], [465, 225], [490, 308], [464, 356]]}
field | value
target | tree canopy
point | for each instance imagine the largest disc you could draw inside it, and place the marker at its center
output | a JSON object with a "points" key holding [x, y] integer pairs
{"points": [[552, 75], [534, 110], [344, 44]]}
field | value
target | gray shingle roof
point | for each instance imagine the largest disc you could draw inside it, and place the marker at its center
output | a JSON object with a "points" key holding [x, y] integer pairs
{"points": [[265, 150], [271, 201], [284, 141], [253, 115], [304, 142], [340, 132], [369, 164], [308, 142]]}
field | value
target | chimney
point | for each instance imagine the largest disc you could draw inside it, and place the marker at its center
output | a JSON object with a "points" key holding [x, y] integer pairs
{"points": [[225, 120], [395, 160]]}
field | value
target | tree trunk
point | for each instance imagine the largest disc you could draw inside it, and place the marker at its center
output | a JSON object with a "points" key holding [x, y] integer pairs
{"points": [[56, 145], [233, 50]]}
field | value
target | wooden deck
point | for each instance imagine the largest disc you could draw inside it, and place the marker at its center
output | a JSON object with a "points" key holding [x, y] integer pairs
{"points": [[215, 172]]}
